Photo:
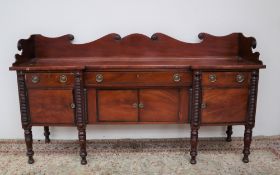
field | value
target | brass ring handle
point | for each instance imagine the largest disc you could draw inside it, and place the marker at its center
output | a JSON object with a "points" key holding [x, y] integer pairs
{"points": [[72, 105], [134, 105], [35, 79], [141, 105], [203, 105], [62, 78], [176, 78], [240, 78], [212, 78], [99, 78]]}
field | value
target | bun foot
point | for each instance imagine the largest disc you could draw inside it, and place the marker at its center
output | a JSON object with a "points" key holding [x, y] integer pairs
{"points": [[83, 161], [193, 161], [30, 160], [245, 159]]}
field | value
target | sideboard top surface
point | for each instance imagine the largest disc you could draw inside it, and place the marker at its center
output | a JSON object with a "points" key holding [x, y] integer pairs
{"points": [[233, 51]]}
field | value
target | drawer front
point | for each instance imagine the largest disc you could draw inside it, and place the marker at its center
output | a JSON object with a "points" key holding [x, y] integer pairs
{"points": [[159, 105], [225, 79], [117, 105], [224, 105], [138, 78], [49, 79], [51, 106]]}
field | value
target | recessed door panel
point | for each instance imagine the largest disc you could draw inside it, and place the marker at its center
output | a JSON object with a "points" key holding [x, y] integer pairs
{"points": [[224, 105], [159, 105], [117, 105], [51, 106]]}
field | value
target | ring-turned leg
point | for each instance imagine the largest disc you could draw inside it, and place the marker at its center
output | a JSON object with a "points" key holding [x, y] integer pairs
{"points": [[247, 143], [250, 122], [47, 134], [82, 141], [28, 141], [194, 139], [229, 133], [25, 118], [196, 112], [80, 115]]}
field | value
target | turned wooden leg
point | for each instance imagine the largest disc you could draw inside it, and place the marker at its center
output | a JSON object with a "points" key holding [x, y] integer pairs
{"points": [[82, 141], [194, 140], [47, 134], [247, 143], [229, 133], [28, 141], [196, 114]]}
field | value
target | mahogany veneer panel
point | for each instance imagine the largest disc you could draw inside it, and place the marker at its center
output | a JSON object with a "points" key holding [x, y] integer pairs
{"points": [[51, 106], [224, 105], [159, 105], [117, 105]]}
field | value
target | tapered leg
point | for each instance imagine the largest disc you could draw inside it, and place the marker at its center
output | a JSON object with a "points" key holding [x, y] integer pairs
{"points": [[194, 140], [47, 134], [229, 133], [82, 141], [247, 143], [28, 141]]}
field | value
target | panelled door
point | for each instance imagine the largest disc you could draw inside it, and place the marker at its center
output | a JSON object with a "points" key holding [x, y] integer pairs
{"points": [[140, 105]]}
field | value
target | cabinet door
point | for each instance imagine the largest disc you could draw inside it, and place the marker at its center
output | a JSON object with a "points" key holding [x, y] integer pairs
{"points": [[51, 106], [159, 105], [117, 105], [224, 105]]}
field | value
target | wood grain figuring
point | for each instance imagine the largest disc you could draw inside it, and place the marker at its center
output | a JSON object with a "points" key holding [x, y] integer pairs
{"points": [[226, 79], [117, 105], [184, 103], [159, 105], [92, 111], [224, 105], [49, 80], [51, 106]]}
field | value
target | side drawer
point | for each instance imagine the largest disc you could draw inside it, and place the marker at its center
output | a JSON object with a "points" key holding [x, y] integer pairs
{"points": [[225, 79], [49, 79], [138, 78]]}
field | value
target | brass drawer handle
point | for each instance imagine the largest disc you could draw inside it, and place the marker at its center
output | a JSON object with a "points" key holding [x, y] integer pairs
{"points": [[240, 78], [135, 105], [63, 79], [141, 105], [35, 79], [99, 78], [203, 105], [72, 105], [176, 78], [212, 78]]}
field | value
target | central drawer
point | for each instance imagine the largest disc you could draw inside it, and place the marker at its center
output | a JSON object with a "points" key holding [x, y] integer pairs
{"points": [[174, 78]]}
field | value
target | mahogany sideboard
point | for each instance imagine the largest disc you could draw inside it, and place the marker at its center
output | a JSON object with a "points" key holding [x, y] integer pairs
{"points": [[138, 80]]}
